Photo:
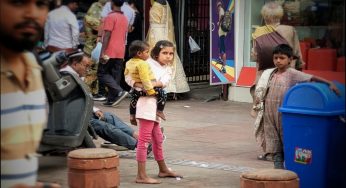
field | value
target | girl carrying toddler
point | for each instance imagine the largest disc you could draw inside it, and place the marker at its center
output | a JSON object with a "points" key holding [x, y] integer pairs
{"points": [[146, 113], [138, 71]]}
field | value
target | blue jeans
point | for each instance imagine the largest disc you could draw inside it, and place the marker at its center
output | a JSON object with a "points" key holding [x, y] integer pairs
{"points": [[114, 130]]}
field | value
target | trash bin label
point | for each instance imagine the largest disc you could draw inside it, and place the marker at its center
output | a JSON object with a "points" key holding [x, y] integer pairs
{"points": [[303, 156]]}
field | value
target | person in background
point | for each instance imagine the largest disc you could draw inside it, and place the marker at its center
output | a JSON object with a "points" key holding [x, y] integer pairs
{"points": [[112, 54], [125, 8], [92, 21], [61, 29], [272, 86], [23, 98], [265, 38], [130, 14]]}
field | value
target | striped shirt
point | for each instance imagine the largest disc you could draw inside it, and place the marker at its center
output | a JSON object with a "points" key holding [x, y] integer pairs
{"points": [[23, 115]]}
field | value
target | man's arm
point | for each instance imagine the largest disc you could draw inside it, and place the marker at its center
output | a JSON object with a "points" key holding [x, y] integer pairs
{"points": [[105, 42]]}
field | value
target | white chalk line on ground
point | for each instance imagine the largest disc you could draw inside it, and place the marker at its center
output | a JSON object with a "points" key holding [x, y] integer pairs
{"points": [[193, 163]]}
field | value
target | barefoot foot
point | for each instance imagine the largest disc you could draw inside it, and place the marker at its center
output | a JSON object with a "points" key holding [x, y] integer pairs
{"points": [[147, 180], [169, 174]]}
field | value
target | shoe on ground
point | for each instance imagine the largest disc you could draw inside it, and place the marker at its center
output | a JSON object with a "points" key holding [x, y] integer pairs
{"points": [[121, 97], [161, 115], [99, 97]]}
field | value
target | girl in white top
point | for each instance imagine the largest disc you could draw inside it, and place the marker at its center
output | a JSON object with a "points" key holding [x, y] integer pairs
{"points": [[149, 124]]}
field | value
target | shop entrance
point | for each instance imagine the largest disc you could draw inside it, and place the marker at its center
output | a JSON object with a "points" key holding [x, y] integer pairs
{"points": [[190, 18], [196, 24]]}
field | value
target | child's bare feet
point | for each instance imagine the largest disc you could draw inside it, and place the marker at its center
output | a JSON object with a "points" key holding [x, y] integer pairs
{"points": [[161, 115], [169, 174], [147, 180], [133, 120]]}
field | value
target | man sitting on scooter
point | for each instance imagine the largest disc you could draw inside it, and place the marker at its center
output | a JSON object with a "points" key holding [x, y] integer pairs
{"points": [[107, 125]]}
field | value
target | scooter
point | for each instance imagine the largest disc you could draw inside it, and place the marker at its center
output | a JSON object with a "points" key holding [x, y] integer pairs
{"points": [[70, 107]]}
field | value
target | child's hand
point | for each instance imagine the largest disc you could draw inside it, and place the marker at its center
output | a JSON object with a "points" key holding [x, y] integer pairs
{"points": [[139, 85], [333, 87]]}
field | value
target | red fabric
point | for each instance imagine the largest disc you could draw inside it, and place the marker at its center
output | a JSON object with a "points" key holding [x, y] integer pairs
{"points": [[323, 59], [304, 47], [340, 65], [117, 24], [247, 76], [329, 75], [149, 130], [311, 42]]}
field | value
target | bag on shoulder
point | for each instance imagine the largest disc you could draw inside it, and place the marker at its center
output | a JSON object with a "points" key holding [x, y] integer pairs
{"points": [[226, 23]]}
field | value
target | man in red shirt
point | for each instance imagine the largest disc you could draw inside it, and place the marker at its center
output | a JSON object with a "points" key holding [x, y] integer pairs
{"points": [[110, 70]]}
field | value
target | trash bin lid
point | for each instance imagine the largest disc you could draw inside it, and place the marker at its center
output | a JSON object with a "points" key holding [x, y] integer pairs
{"points": [[314, 99]]}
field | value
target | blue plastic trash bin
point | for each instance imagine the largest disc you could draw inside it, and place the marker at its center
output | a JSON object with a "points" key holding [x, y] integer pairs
{"points": [[314, 131]]}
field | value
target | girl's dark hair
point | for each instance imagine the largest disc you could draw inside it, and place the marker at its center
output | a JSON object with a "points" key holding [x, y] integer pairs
{"points": [[283, 49], [137, 46], [158, 47], [118, 3], [66, 2]]}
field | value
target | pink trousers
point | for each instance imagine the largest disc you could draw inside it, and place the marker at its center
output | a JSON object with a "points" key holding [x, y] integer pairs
{"points": [[149, 130]]}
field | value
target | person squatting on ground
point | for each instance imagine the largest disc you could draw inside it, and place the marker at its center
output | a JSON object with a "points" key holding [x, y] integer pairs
{"points": [[139, 70], [149, 122], [22, 92], [108, 126], [110, 68], [271, 88]]}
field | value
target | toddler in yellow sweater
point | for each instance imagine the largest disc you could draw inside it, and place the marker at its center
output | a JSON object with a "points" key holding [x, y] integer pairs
{"points": [[139, 70]]}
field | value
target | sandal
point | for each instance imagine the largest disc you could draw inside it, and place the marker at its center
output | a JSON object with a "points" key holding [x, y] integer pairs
{"points": [[265, 157]]}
